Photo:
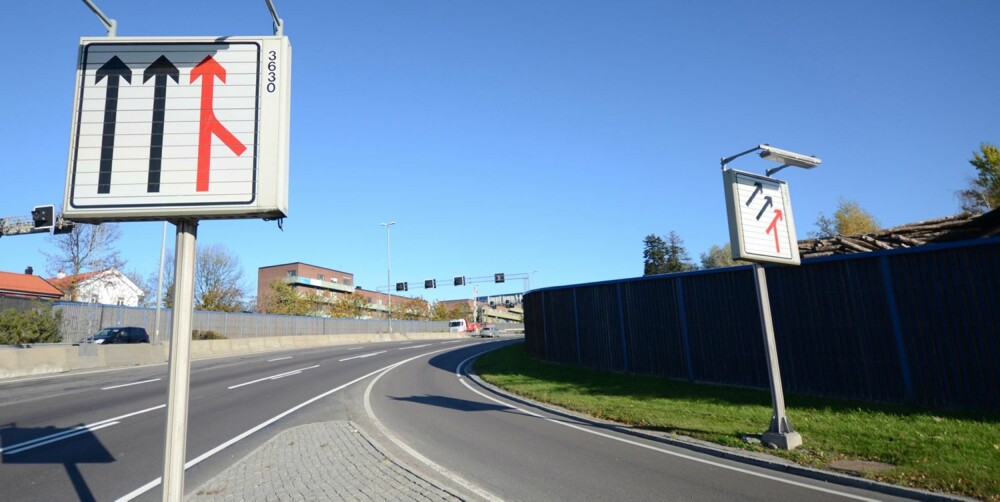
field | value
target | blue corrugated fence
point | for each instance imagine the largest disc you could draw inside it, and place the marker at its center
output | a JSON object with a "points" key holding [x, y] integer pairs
{"points": [[918, 325]]}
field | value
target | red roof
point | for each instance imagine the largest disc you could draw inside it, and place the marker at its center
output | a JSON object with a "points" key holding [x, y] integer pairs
{"points": [[64, 283], [27, 285]]}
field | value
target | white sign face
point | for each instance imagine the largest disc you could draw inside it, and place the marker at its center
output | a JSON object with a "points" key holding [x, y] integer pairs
{"points": [[761, 226], [180, 127]]}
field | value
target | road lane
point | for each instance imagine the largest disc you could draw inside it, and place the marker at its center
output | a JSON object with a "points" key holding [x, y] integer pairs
{"points": [[108, 462], [519, 452]]}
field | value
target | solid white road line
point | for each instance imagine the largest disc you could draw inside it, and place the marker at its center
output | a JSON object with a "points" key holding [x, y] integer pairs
{"points": [[274, 377], [458, 373], [130, 384], [413, 453], [64, 435], [279, 359], [191, 463], [416, 347], [362, 356], [15, 448]]}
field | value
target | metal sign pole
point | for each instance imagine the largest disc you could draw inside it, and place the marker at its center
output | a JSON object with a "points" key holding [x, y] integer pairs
{"points": [[180, 361], [780, 432], [159, 285]]}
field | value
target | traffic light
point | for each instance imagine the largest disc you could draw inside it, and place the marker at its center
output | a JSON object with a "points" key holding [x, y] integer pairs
{"points": [[44, 216], [460, 281], [498, 278], [430, 283], [402, 286]]}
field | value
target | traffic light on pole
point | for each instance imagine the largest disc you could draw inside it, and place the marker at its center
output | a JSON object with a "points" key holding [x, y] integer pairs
{"points": [[460, 281], [430, 283], [402, 286], [498, 278], [44, 217]]}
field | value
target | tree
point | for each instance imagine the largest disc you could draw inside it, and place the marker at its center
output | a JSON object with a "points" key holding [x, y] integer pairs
{"points": [[720, 257], [666, 256], [983, 194], [849, 219], [678, 259], [86, 248], [282, 299], [218, 280], [441, 312], [654, 255], [147, 285], [352, 306], [410, 309]]}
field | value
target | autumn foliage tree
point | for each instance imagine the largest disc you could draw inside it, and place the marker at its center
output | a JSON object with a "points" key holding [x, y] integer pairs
{"points": [[411, 309], [440, 311], [848, 219], [281, 299], [720, 257], [349, 307]]}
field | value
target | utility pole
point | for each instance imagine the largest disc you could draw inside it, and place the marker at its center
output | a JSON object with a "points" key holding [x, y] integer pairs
{"points": [[388, 270]]}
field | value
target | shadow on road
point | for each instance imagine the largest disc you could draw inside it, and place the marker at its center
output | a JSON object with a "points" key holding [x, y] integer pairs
{"points": [[53, 445], [448, 360], [452, 403]]}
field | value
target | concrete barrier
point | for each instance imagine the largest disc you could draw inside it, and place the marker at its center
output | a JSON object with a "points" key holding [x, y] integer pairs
{"points": [[48, 359]]}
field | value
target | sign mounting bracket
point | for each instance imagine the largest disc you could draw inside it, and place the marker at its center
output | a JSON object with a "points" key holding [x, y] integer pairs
{"points": [[110, 24], [279, 24]]}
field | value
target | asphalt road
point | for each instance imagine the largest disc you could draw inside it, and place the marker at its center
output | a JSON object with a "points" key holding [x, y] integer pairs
{"points": [[512, 451], [99, 436]]}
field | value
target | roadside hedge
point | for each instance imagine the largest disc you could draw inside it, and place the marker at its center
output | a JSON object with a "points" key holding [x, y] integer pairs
{"points": [[39, 324]]}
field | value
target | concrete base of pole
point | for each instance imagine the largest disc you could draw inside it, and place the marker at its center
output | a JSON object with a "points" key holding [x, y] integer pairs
{"points": [[782, 440]]}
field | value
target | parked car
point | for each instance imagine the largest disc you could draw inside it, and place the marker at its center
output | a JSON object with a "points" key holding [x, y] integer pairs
{"points": [[489, 332], [119, 334]]}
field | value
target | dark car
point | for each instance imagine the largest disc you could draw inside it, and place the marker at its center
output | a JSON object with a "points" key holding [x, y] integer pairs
{"points": [[120, 334]]}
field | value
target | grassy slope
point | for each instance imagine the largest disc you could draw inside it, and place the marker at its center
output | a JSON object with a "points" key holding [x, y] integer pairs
{"points": [[934, 450]]}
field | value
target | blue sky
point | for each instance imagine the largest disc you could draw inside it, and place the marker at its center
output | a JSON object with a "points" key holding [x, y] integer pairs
{"points": [[546, 136]]}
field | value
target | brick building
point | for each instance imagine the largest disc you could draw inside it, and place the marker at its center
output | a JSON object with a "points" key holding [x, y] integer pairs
{"points": [[307, 280], [323, 285]]}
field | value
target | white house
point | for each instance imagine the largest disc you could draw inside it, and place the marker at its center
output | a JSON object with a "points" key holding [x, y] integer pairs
{"points": [[109, 287]]}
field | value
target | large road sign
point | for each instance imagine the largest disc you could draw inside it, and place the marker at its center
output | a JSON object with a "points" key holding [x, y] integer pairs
{"points": [[761, 227], [167, 128]]}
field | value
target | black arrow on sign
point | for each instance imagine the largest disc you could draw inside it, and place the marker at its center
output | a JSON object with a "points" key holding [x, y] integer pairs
{"points": [[113, 69], [759, 189], [766, 205], [161, 69]]}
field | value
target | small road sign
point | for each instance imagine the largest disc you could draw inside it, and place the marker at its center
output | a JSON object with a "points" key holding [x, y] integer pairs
{"points": [[761, 226], [180, 127]]}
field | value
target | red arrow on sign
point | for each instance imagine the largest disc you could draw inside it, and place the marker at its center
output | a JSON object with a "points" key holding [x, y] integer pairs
{"points": [[209, 69], [778, 216]]}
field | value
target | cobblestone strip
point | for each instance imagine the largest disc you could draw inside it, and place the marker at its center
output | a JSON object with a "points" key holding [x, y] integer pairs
{"points": [[323, 461]]}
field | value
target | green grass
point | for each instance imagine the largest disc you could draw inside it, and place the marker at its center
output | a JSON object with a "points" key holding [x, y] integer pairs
{"points": [[930, 449]]}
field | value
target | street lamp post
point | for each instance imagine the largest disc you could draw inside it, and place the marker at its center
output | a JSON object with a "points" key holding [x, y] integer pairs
{"points": [[780, 432], [388, 270]]}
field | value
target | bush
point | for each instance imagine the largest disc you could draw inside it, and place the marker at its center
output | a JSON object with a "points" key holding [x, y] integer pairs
{"points": [[206, 335], [39, 324]]}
